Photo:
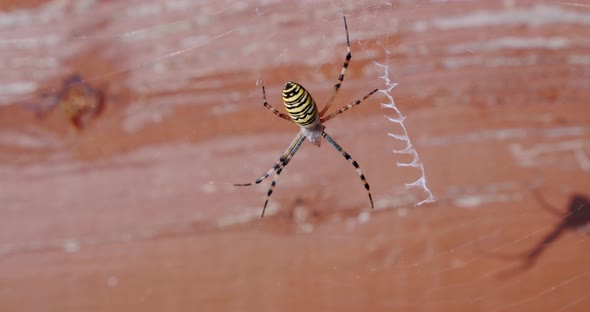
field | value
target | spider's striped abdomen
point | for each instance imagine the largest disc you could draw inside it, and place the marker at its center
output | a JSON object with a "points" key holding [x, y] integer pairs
{"points": [[300, 105]]}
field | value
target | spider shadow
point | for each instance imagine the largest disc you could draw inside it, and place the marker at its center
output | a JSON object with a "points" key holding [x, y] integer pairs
{"points": [[576, 218]]}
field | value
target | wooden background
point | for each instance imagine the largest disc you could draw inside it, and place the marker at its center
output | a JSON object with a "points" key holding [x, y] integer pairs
{"points": [[137, 212]]}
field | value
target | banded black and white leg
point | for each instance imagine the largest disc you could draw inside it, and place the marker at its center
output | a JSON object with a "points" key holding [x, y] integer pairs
{"points": [[279, 170], [354, 163], [342, 72], [278, 167], [272, 109], [347, 107]]}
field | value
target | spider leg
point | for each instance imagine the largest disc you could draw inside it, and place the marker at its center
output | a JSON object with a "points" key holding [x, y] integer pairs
{"points": [[342, 72], [279, 170], [296, 141], [354, 163], [272, 109], [347, 107]]}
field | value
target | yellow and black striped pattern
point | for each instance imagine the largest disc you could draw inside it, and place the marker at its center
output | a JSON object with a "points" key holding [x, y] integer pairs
{"points": [[300, 105]]}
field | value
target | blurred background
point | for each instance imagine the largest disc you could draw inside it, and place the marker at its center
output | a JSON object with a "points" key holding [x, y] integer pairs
{"points": [[125, 124]]}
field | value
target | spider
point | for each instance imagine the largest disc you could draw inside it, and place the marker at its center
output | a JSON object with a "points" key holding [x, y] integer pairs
{"points": [[302, 110]]}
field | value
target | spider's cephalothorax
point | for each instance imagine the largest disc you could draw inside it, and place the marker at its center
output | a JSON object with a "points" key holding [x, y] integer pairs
{"points": [[302, 110]]}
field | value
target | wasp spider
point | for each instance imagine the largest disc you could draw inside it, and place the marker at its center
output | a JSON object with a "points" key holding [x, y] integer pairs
{"points": [[302, 110]]}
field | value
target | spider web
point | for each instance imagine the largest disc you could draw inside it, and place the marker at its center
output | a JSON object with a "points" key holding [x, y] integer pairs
{"points": [[404, 137]]}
